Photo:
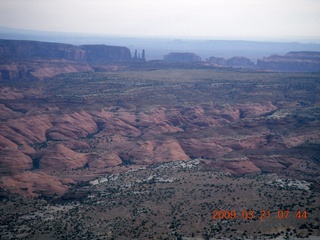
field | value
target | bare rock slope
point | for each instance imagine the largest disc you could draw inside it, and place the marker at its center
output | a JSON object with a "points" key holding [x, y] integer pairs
{"points": [[76, 127]]}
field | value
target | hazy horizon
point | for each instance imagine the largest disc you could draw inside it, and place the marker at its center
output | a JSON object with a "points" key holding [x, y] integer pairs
{"points": [[283, 20], [31, 32], [156, 48]]}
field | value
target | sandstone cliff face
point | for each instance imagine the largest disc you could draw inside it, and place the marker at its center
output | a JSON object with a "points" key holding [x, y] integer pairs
{"points": [[105, 54], [75, 54], [292, 62]]}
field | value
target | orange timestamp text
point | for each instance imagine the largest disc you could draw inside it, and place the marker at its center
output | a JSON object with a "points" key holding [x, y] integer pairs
{"points": [[261, 214]]}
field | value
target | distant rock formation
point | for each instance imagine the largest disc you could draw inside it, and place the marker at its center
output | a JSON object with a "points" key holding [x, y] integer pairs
{"points": [[138, 58], [239, 62], [87, 53], [303, 61], [178, 57], [33, 49], [14, 49], [217, 61]]}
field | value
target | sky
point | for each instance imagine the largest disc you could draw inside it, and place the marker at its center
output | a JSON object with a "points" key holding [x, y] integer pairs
{"points": [[214, 19]]}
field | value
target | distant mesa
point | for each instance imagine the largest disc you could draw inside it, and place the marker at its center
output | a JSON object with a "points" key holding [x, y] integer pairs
{"points": [[304, 61], [182, 57], [86, 53], [237, 62], [25, 59], [217, 61]]}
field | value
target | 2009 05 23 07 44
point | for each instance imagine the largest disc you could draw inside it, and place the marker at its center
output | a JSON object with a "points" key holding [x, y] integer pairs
{"points": [[261, 214]]}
